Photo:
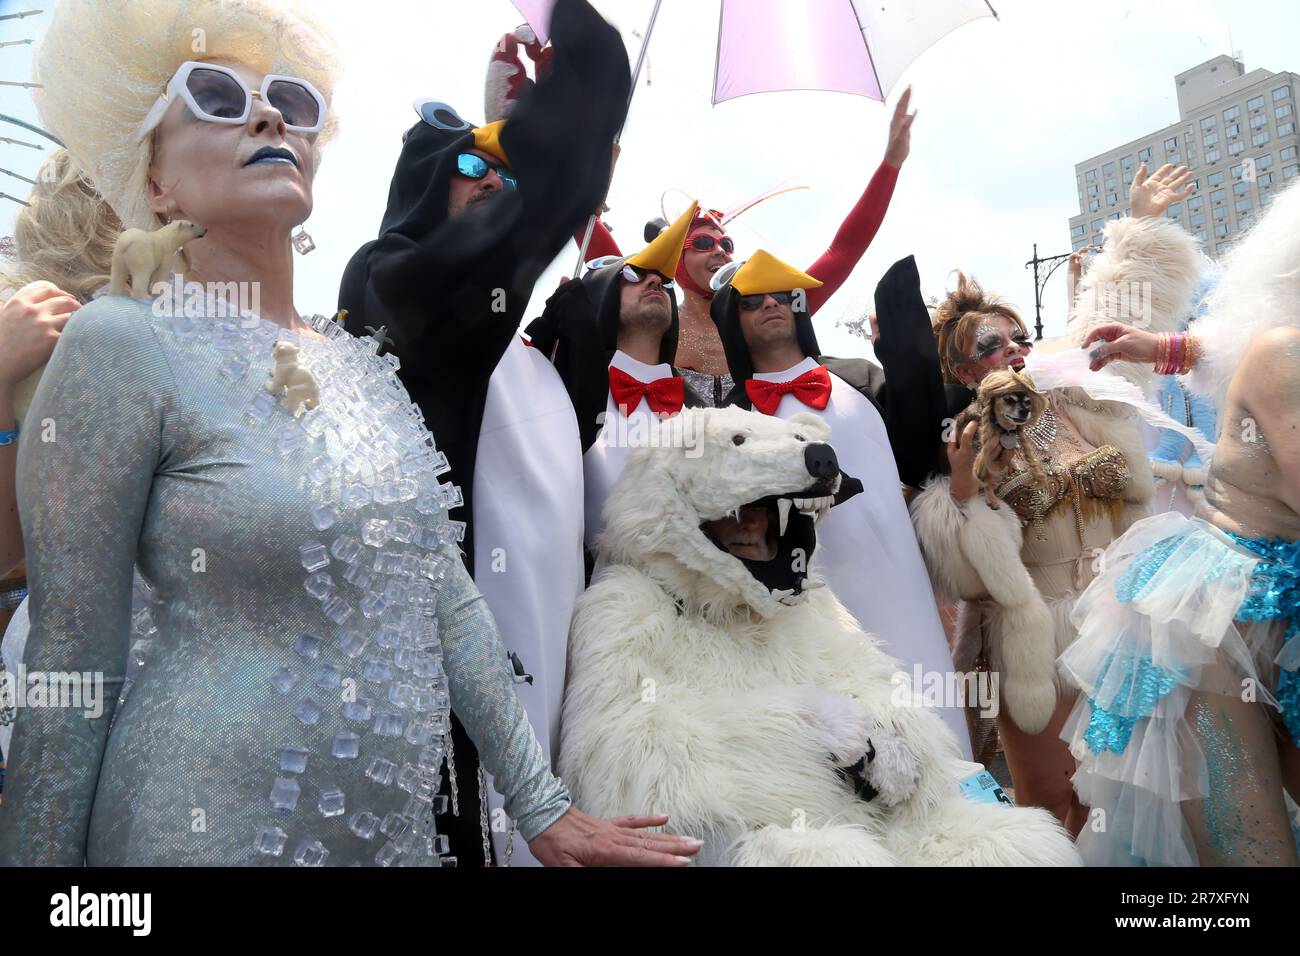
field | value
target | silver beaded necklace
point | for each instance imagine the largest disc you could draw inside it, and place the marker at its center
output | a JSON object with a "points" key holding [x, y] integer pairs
{"points": [[1043, 432]]}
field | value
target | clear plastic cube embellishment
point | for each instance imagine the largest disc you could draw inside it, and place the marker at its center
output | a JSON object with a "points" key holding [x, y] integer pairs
{"points": [[293, 760], [269, 840], [312, 853], [285, 793], [346, 745], [331, 803]]}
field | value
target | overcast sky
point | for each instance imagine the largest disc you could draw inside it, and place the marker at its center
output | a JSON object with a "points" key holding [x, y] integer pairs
{"points": [[1007, 107]]}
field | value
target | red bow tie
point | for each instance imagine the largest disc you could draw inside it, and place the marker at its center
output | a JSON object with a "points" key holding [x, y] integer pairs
{"points": [[664, 395], [813, 388]]}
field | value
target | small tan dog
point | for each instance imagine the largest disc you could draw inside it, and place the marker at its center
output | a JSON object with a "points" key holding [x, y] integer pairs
{"points": [[1007, 403], [291, 382], [141, 259]]}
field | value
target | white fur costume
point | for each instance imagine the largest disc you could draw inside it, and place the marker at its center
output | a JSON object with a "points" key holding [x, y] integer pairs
{"points": [[974, 552], [694, 691]]}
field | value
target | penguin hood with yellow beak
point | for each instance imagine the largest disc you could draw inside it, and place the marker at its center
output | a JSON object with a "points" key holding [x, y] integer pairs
{"points": [[761, 273]]}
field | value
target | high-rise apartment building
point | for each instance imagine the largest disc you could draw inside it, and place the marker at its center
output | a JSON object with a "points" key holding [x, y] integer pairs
{"points": [[1236, 132]]}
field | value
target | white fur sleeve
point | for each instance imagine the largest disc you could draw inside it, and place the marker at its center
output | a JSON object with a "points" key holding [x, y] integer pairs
{"points": [[942, 528], [1146, 275]]}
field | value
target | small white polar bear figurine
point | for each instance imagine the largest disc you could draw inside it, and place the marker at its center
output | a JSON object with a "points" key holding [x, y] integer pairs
{"points": [[290, 381], [141, 259], [738, 697]]}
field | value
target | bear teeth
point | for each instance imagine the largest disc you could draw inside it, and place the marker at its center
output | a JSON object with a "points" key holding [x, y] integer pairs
{"points": [[783, 506]]}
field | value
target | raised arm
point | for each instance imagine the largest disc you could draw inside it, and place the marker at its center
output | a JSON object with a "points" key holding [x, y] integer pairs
{"points": [[471, 274], [863, 222], [85, 471]]}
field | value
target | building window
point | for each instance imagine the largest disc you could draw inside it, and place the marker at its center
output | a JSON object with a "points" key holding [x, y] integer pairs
{"points": [[1231, 113], [1128, 177], [1174, 211], [1256, 104], [1260, 138], [1076, 231], [1285, 129], [1126, 162], [1214, 178], [1240, 189], [1211, 155], [1109, 169], [1078, 244], [1210, 140], [1094, 205], [1236, 148], [1198, 219], [1233, 129], [1112, 198], [1281, 93], [1201, 235], [1221, 229], [1257, 121], [1196, 202], [1266, 198], [1174, 158], [1287, 153], [1282, 112], [1097, 224], [1264, 180], [1144, 154], [1113, 215], [1289, 171], [1218, 195], [1091, 175], [1171, 144], [1264, 161], [1243, 205], [1092, 190], [1207, 122], [1110, 184], [1220, 213], [1236, 170]]}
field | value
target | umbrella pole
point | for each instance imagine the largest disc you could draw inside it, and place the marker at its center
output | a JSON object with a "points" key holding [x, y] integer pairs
{"points": [[636, 76]]}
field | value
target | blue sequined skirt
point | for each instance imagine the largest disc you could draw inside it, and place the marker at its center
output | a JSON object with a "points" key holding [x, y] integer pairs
{"points": [[1179, 606]]}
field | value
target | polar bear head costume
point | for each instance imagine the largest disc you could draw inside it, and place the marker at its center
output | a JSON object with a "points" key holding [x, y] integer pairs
{"points": [[754, 711], [722, 460]]}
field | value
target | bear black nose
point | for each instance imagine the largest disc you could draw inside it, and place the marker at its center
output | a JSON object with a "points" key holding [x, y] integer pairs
{"points": [[820, 460]]}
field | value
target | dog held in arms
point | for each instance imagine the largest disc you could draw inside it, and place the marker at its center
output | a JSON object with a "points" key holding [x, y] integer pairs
{"points": [[721, 685], [1007, 403]]}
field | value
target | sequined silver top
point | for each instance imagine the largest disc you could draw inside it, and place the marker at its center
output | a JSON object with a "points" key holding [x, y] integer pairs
{"points": [[314, 618]]}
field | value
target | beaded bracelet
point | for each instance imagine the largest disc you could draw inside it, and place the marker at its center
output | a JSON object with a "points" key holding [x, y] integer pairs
{"points": [[1176, 353]]}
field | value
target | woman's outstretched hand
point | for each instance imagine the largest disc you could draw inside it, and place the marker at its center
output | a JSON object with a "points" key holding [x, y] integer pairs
{"points": [[577, 839], [900, 131], [1152, 195], [1115, 340]]}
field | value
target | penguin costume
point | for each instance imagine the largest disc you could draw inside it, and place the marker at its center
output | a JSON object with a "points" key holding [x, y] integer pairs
{"points": [[868, 555], [617, 398], [448, 292]]}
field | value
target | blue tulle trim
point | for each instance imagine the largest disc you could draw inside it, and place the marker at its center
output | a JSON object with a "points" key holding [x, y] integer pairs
{"points": [[1141, 689], [1274, 595]]}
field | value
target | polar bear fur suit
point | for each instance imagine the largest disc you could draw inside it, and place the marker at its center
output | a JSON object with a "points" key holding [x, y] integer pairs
{"points": [[697, 691]]}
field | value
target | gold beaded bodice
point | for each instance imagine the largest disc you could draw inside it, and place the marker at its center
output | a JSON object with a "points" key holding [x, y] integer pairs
{"points": [[1072, 475]]}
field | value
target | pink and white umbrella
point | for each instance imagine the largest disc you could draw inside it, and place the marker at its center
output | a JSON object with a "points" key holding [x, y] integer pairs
{"points": [[848, 46]]}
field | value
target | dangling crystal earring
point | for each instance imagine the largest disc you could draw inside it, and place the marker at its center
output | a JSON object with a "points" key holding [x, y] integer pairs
{"points": [[302, 242]]}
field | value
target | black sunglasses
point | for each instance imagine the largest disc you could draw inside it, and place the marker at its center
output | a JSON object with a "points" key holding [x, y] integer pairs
{"points": [[751, 302]]}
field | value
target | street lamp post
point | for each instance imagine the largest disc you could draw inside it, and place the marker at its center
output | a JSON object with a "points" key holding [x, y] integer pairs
{"points": [[1052, 263]]}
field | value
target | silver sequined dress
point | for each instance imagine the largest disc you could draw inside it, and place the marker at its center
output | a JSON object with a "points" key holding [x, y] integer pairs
{"points": [[314, 619]]}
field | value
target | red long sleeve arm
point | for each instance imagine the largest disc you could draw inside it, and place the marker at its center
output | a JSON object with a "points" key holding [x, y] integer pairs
{"points": [[602, 243], [853, 238]]}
